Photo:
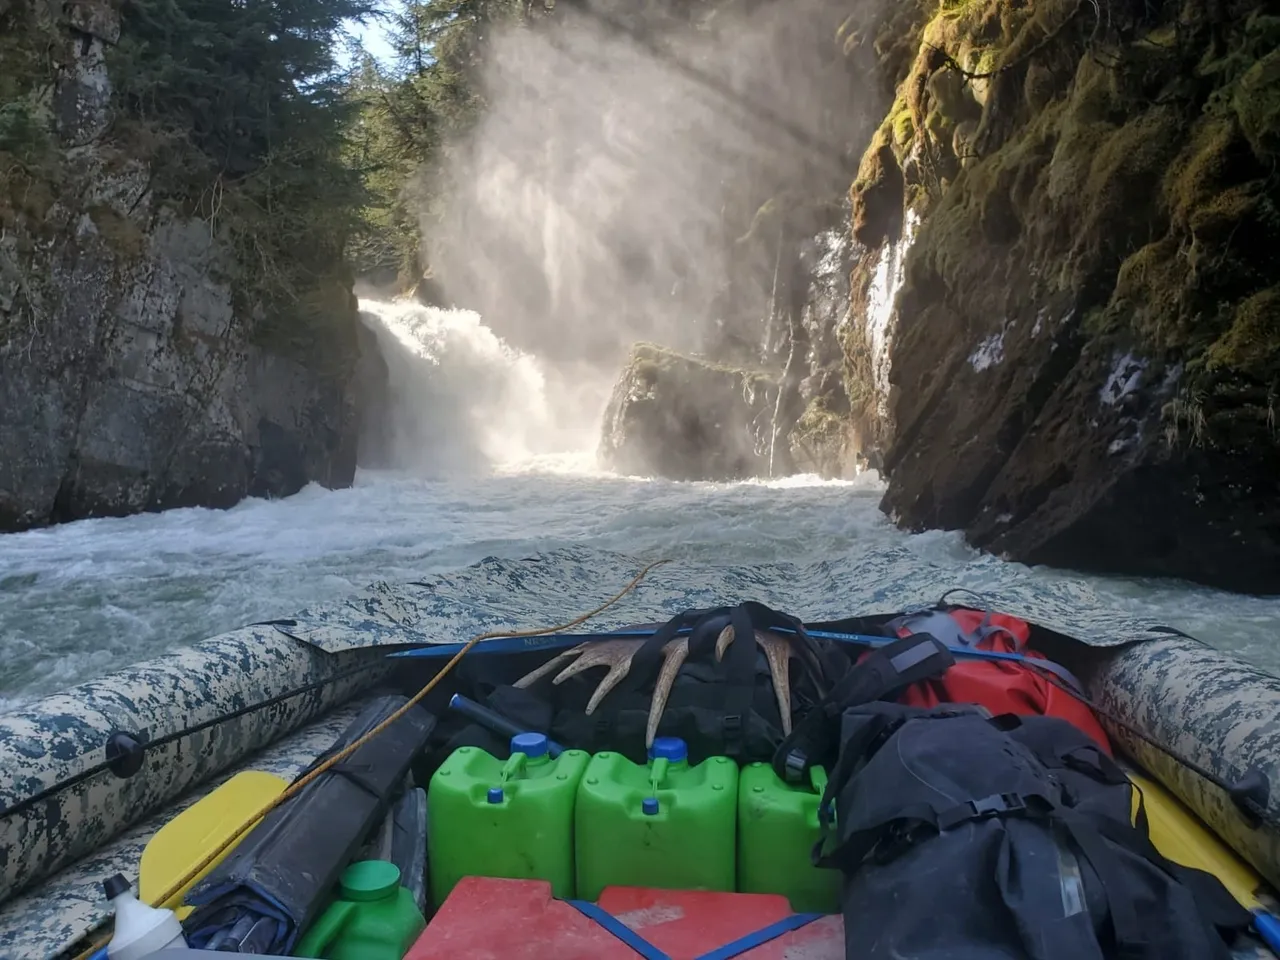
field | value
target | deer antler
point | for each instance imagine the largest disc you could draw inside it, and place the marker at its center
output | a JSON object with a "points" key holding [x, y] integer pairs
{"points": [[618, 654], [778, 651]]}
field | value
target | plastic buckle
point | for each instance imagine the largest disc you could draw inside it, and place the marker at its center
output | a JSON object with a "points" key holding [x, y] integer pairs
{"points": [[982, 809], [997, 804], [795, 766]]}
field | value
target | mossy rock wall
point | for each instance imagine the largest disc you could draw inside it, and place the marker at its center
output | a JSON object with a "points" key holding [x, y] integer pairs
{"points": [[1086, 351], [138, 367]]}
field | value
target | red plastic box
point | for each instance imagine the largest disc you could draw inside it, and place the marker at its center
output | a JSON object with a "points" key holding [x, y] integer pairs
{"points": [[486, 918]]}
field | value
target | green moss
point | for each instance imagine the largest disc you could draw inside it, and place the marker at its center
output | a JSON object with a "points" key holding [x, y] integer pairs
{"points": [[124, 236], [30, 164], [1038, 86], [1256, 102], [950, 96], [1027, 27], [904, 129], [1200, 169], [983, 61], [1219, 216], [1135, 173], [876, 196], [1129, 160], [820, 438], [767, 213], [1251, 344], [654, 360], [1153, 278], [818, 425]]}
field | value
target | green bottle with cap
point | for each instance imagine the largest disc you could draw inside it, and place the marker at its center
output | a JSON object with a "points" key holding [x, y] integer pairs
{"points": [[666, 824], [375, 918], [504, 818], [777, 830]]}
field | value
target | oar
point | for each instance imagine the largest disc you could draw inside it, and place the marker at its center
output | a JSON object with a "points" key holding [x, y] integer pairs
{"points": [[202, 827], [1181, 836]]}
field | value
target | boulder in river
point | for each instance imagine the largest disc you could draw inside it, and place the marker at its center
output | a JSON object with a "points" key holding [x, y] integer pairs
{"points": [[685, 418]]}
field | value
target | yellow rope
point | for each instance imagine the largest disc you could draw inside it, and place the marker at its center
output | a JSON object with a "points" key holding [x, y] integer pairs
{"points": [[294, 788]]}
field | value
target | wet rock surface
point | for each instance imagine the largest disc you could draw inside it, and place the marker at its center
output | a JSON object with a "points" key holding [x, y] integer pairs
{"points": [[1084, 362], [688, 419], [137, 387], [131, 376]]}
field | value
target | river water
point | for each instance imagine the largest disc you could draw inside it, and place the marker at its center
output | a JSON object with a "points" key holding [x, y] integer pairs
{"points": [[491, 454]]}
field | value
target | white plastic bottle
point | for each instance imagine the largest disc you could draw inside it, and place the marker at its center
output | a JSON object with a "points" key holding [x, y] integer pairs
{"points": [[140, 930]]}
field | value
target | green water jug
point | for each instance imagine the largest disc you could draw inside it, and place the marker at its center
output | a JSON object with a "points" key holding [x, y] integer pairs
{"points": [[666, 824], [777, 830], [493, 818], [374, 918]]}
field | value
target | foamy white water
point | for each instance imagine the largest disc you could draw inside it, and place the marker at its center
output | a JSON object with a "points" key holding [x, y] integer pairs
{"points": [[79, 600]]}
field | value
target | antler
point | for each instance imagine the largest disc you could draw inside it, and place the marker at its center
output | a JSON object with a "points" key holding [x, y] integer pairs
{"points": [[618, 654], [778, 651]]}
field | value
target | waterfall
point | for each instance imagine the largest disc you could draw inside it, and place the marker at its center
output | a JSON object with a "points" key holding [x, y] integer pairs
{"points": [[462, 400]]}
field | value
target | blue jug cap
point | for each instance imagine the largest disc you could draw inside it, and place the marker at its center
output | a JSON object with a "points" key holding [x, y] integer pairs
{"points": [[495, 794], [669, 748], [649, 806], [532, 745]]}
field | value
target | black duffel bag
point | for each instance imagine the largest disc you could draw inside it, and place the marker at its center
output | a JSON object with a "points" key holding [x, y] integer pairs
{"points": [[973, 838]]}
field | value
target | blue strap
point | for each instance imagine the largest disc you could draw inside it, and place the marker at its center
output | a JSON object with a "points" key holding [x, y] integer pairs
{"points": [[619, 929], [647, 950], [563, 641], [969, 653], [763, 935]]}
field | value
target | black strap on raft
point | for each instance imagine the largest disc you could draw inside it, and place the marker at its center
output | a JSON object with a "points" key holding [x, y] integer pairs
{"points": [[1217, 904], [884, 674]]}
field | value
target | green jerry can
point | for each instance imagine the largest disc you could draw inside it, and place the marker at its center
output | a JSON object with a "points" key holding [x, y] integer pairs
{"points": [[777, 831], [666, 824], [374, 918], [504, 818]]}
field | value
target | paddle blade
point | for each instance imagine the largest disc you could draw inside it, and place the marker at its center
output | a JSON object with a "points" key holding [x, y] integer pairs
{"points": [[190, 836], [1182, 837]]}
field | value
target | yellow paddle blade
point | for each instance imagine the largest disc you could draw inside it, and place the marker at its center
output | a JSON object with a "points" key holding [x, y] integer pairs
{"points": [[1183, 837], [190, 836]]}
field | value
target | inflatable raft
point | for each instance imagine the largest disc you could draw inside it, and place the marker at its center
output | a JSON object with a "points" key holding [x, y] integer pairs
{"points": [[91, 774]]}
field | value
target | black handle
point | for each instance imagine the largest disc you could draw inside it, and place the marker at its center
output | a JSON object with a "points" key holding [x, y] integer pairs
{"points": [[495, 721]]}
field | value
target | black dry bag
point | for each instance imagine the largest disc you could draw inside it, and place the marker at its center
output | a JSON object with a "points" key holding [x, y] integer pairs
{"points": [[967, 837]]}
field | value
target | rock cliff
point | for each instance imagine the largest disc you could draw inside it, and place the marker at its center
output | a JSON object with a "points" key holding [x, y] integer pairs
{"points": [[1064, 331], [1052, 314], [136, 371], [776, 286]]}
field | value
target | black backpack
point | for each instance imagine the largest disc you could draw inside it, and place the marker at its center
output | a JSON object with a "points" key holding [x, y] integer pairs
{"points": [[972, 837]]}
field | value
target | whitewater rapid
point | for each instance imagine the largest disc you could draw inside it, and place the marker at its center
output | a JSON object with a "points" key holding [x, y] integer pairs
{"points": [[512, 472]]}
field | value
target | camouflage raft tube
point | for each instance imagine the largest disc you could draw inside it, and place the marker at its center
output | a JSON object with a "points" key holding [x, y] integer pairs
{"points": [[90, 774]]}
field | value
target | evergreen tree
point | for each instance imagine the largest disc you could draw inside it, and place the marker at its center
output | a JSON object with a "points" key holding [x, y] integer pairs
{"points": [[411, 111], [243, 114]]}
